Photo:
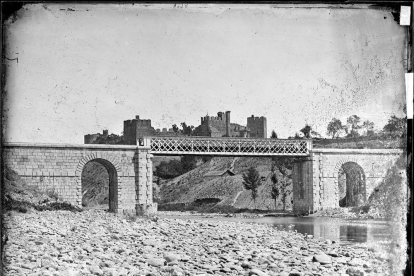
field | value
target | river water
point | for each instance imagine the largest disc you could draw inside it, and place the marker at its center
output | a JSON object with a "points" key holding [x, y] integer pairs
{"points": [[343, 231]]}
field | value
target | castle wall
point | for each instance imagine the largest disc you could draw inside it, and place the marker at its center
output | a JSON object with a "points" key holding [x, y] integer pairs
{"points": [[94, 138], [213, 126], [90, 138]]}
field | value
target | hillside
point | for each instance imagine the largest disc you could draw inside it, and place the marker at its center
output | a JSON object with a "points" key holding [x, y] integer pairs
{"points": [[23, 197], [229, 189], [95, 185]]}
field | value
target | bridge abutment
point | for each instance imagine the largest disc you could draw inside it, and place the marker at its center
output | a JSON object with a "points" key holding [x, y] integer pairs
{"points": [[316, 178]]}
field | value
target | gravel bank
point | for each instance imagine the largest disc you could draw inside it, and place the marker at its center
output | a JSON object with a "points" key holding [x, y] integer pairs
{"points": [[97, 243]]}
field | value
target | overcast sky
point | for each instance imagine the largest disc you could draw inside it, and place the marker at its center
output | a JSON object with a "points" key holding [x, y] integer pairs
{"points": [[84, 68]]}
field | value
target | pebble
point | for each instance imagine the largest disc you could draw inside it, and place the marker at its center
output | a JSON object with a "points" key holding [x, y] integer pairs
{"points": [[98, 243]]}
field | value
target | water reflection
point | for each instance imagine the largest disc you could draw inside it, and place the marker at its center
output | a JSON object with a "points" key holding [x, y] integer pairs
{"points": [[353, 233], [339, 230]]}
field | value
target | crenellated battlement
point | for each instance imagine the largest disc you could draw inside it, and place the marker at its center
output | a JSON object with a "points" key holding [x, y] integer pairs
{"points": [[164, 130], [221, 117]]}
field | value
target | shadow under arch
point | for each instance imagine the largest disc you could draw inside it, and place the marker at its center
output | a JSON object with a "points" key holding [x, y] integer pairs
{"points": [[113, 181], [351, 185]]}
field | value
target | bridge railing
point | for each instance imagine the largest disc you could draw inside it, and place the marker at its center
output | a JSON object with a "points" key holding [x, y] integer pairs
{"points": [[226, 146]]}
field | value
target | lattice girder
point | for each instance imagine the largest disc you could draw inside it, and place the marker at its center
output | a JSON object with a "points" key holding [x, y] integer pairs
{"points": [[226, 146]]}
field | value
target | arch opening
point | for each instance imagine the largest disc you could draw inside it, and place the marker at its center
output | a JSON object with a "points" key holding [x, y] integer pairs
{"points": [[351, 185], [99, 185]]}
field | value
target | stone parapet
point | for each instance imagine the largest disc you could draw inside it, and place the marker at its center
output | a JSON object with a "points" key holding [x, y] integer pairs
{"points": [[74, 146], [357, 151]]}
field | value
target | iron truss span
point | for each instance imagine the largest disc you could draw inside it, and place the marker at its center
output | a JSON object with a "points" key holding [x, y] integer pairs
{"points": [[226, 146]]}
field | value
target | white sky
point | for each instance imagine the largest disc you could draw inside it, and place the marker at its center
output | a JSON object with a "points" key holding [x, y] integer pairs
{"points": [[82, 71]]}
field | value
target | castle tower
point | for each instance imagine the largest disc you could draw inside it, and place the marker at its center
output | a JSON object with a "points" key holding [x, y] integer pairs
{"points": [[137, 128], [228, 123], [257, 126]]}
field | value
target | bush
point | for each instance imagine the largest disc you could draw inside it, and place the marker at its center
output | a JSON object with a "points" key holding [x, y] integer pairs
{"points": [[203, 201], [55, 206], [52, 194]]}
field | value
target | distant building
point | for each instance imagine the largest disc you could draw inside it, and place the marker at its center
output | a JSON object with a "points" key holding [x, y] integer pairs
{"points": [[91, 138], [257, 126], [103, 138], [210, 126], [217, 174], [221, 126], [138, 128]]}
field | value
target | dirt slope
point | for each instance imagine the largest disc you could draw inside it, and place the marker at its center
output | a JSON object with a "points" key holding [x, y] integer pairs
{"points": [[229, 189]]}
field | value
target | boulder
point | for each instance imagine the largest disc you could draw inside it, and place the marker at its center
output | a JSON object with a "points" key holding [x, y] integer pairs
{"points": [[156, 262], [171, 257], [322, 259]]}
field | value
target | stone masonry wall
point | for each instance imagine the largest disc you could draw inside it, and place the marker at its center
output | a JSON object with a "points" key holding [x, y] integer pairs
{"points": [[59, 167], [302, 177], [145, 205], [326, 165]]}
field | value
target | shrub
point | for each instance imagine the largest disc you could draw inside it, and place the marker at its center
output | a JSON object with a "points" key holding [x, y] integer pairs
{"points": [[52, 194], [54, 206]]}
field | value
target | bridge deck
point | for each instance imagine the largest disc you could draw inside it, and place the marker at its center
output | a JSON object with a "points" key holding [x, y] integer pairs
{"points": [[226, 146]]}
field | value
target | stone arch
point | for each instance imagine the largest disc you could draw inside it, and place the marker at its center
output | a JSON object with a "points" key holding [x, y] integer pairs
{"points": [[337, 168], [114, 171], [353, 192]]}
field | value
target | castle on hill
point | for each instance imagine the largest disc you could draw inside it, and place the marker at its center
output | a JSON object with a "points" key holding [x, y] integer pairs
{"points": [[210, 126], [221, 126]]}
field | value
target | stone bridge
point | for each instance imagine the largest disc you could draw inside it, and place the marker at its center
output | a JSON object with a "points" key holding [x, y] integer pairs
{"points": [[316, 179], [59, 167]]}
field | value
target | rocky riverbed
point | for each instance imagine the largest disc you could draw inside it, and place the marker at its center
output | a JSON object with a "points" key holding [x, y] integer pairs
{"points": [[98, 243]]}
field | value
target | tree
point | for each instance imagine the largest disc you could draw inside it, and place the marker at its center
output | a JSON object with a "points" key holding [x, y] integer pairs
{"points": [[188, 163], [274, 192], [308, 132], [285, 167], [353, 125], [273, 135], [251, 181], [187, 130], [174, 168], [369, 127], [335, 127], [155, 194], [396, 126], [170, 169], [175, 128]]}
